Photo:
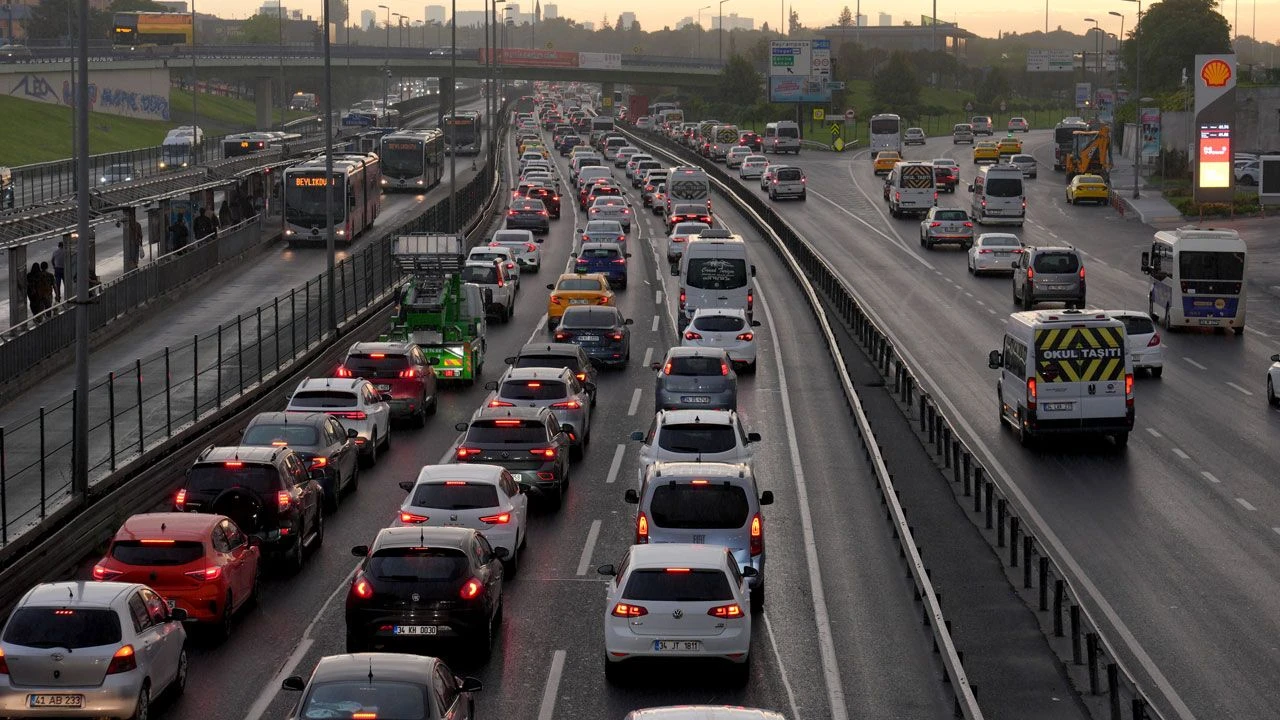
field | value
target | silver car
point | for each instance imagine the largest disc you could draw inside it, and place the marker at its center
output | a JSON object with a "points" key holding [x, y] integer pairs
{"points": [[696, 378], [603, 231], [946, 225], [91, 649], [555, 388], [694, 436], [611, 207], [1025, 163], [752, 166], [522, 243], [913, 136], [679, 239]]}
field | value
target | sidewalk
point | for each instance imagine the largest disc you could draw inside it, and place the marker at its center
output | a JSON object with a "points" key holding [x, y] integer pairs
{"points": [[1150, 207]]}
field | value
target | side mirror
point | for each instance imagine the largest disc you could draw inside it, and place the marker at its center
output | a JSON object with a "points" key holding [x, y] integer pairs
{"points": [[501, 553], [1275, 358], [573, 254], [316, 475], [637, 436], [509, 360], [255, 541], [360, 551], [755, 323], [460, 427], [628, 321], [626, 254], [528, 488], [294, 682], [407, 485], [578, 230], [748, 572], [753, 437], [177, 615], [655, 366], [551, 286], [766, 497], [1146, 262], [385, 397], [590, 386], [353, 433], [607, 570], [970, 187], [631, 497], [470, 685], [995, 359], [491, 385], [433, 360]]}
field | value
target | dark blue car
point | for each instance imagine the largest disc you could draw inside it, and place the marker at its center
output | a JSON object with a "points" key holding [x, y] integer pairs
{"points": [[568, 143], [605, 258], [601, 332]]}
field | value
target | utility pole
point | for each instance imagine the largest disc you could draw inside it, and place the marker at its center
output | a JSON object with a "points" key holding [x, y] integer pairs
{"points": [[330, 250], [80, 446], [453, 110]]}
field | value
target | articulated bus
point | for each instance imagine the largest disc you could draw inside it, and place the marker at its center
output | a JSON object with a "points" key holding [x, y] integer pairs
{"points": [[884, 132], [131, 29], [412, 160], [1197, 278], [356, 196], [462, 133]]}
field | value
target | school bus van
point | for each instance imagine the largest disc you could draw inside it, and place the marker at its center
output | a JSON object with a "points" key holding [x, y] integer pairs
{"points": [[1064, 372]]}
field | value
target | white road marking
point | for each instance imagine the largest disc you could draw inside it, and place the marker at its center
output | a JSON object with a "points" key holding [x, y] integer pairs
{"points": [[1154, 432], [648, 356], [616, 465], [657, 297], [1210, 477], [635, 402], [981, 302], [1246, 504], [592, 535], [897, 241], [656, 318], [1234, 386], [1181, 454], [1255, 331], [1193, 363], [993, 312], [1276, 530], [548, 708], [782, 667], [966, 292], [1051, 233]]}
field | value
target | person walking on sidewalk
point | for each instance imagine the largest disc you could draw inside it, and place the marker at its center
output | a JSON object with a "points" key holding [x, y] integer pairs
{"points": [[46, 286], [59, 262], [34, 282]]}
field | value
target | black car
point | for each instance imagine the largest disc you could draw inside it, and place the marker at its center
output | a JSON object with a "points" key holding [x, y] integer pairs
{"points": [[550, 199], [266, 491], [558, 355], [527, 441], [750, 139], [372, 685], [422, 584], [527, 214], [601, 332], [328, 449]]}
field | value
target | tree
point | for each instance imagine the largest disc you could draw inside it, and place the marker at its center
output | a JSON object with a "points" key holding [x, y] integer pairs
{"points": [[993, 88], [896, 86], [739, 82], [260, 30], [793, 23], [619, 26], [53, 19], [764, 27], [1170, 35], [846, 17]]}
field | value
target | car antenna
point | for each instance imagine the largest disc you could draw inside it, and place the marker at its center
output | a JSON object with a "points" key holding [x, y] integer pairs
{"points": [[370, 671], [422, 537], [163, 527]]}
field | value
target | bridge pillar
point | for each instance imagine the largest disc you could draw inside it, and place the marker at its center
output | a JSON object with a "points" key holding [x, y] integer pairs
{"points": [[606, 99], [446, 98], [18, 269], [263, 103], [131, 232], [73, 261]]}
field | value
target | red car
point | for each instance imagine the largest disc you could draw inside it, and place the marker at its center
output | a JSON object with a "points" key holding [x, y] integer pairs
{"points": [[397, 368], [946, 174], [202, 563]]}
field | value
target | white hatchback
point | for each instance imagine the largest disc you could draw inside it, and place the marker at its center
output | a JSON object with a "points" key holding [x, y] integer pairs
{"points": [[504, 255], [994, 252], [702, 435], [679, 238], [726, 329], [752, 166], [1145, 347], [355, 402], [736, 156], [485, 498], [527, 250]]}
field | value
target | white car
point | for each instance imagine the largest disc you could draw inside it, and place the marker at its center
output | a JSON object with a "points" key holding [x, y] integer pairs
{"points": [[353, 401], [492, 276], [506, 256], [752, 167], [913, 136], [528, 251], [644, 123], [677, 600], [611, 207], [633, 162], [1143, 342], [679, 239], [726, 329], [994, 252], [485, 498], [1273, 379], [694, 436], [736, 155], [766, 176]]}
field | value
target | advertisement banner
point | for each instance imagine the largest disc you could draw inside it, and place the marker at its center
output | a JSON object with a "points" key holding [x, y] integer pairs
{"points": [[1215, 94], [1150, 123], [532, 57], [1106, 104], [798, 90], [600, 61], [1083, 91]]}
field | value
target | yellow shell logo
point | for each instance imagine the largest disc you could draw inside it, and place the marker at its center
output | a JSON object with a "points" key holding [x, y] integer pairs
{"points": [[1215, 73], [1220, 303]]}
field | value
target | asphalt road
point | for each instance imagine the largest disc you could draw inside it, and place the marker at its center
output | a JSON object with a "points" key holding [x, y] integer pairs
{"points": [[1177, 537]]}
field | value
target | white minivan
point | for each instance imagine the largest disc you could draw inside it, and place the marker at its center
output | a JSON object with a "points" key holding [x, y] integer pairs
{"points": [[715, 273], [997, 195], [782, 136]]}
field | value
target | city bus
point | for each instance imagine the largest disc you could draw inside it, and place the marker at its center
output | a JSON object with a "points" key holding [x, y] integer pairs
{"points": [[356, 197], [462, 133], [884, 132], [130, 29], [256, 142], [1197, 278], [412, 160]]}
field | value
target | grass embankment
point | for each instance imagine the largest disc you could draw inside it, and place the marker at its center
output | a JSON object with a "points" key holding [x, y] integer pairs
{"points": [[40, 132]]}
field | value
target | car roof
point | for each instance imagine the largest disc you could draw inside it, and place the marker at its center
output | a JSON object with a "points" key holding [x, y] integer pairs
{"points": [[243, 453], [720, 312], [600, 246], [460, 471], [703, 712], [400, 667], [74, 593], [536, 373], [175, 525], [513, 413], [276, 417], [575, 276], [1127, 314], [661, 555], [369, 348], [697, 417], [422, 536], [694, 351], [330, 384]]}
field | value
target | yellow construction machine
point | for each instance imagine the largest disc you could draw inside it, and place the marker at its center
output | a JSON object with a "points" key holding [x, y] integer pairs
{"points": [[1090, 153]]}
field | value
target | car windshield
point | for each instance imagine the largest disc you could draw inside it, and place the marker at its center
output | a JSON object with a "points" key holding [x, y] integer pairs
{"points": [[215, 477], [716, 273], [1056, 263], [1089, 180], [579, 284], [714, 506], [157, 553], [533, 390], [417, 564], [61, 627], [379, 698], [697, 438], [600, 227], [547, 361], [1004, 187], [950, 215], [695, 365], [719, 323], [1021, 159], [323, 399], [508, 432], [280, 434], [689, 209], [790, 174], [1202, 265], [605, 253], [689, 228], [487, 255], [480, 275], [1137, 324], [692, 586], [512, 236], [454, 495]]}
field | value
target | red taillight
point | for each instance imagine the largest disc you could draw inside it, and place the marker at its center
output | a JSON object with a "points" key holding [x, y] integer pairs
{"points": [[283, 499], [500, 403], [1154, 341], [691, 335], [620, 261], [1031, 274], [561, 336], [102, 572], [123, 661], [1128, 384], [530, 247], [968, 224], [471, 589], [602, 300], [897, 196], [180, 500], [205, 575], [463, 453], [757, 535], [350, 414], [361, 588], [935, 224], [343, 372], [677, 238], [412, 518], [1031, 393], [751, 299], [546, 453], [4, 664], [319, 462], [731, 612], [555, 299], [501, 283], [567, 405], [511, 212], [622, 238], [1081, 273], [501, 519], [984, 251], [409, 374], [642, 529], [747, 336], [582, 377], [628, 611]]}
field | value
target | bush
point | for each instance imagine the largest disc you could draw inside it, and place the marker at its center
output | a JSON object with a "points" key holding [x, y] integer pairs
{"points": [[1244, 204]]}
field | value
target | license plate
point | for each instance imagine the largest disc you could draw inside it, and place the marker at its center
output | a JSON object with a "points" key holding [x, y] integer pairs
{"points": [[64, 701], [413, 630], [1057, 406], [577, 301], [383, 387], [995, 212], [677, 645], [1003, 254], [1208, 322], [695, 399], [517, 477], [1135, 358], [171, 603], [589, 338]]}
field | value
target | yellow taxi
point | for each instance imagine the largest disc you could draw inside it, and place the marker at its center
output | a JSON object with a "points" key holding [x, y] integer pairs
{"points": [[537, 147], [1088, 188], [885, 160], [577, 289], [1009, 145], [986, 151]]}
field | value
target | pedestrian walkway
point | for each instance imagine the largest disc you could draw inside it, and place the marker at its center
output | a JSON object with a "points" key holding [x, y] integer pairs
{"points": [[1150, 207]]}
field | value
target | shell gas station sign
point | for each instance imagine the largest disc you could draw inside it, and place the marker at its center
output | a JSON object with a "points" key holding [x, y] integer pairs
{"points": [[1215, 84]]}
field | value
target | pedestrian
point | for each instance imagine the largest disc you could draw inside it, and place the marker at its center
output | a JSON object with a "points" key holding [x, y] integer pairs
{"points": [[34, 281], [135, 228], [177, 233], [224, 215], [46, 287], [59, 262], [246, 207], [203, 226]]}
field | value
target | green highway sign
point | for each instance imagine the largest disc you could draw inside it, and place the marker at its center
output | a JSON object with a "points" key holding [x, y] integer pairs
{"points": [[784, 60]]}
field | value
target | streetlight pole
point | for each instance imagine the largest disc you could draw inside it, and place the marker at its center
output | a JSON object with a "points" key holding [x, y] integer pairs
{"points": [[698, 29], [721, 34], [196, 138], [1096, 57], [330, 250], [1137, 93], [453, 110], [1116, 74], [386, 71], [80, 445], [284, 94]]}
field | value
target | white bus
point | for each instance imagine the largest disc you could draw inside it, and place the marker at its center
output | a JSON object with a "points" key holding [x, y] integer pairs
{"points": [[884, 132], [412, 160], [463, 133], [1197, 278], [356, 197]]}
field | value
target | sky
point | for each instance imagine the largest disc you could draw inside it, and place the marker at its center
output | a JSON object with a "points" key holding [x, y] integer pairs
{"points": [[984, 17]]}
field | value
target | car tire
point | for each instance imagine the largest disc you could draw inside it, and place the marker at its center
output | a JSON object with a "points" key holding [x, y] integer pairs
{"points": [[1121, 439], [511, 566], [330, 501], [757, 599], [179, 683], [293, 561], [740, 673], [1025, 439], [386, 439], [928, 244], [966, 246], [255, 592], [971, 270], [319, 538], [354, 481], [1156, 372], [142, 709], [420, 417], [371, 455], [613, 673], [226, 621]]}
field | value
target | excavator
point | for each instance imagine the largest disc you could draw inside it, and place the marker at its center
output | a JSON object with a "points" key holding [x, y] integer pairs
{"points": [[1090, 153]]}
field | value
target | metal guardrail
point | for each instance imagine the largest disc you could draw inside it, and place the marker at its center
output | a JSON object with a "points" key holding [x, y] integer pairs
{"points": [[991, 493]]}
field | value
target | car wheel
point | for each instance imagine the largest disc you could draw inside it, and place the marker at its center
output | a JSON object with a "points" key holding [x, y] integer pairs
{"points": [[966, 246], [804, 195], [1156, 371], [255, 592], [142, 710], [226, 621], [371, 456], [740, 673], [319, 538], [433, 406], [757, 598], [511, 566], [179, 684], [1271, 393], [971, 270], [1121, 439], [331, 500], [1025, 438], [420, 417], [928, 244], [1027, 300], [293, 561], [354, 481]]}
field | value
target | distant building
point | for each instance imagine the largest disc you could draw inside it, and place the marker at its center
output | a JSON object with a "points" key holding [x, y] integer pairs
{"points": [[551, 12], [179, 6], [435, 14], [589, 26], [273, 9], [908, 38], [368, 19], [886, 20], [861, 21], [628, 19], [733, 22]]}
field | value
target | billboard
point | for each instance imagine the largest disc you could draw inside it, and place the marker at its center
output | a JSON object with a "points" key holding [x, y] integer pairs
{"points": [[1149, 119], [790, 58], [797, 90], [1215, 94], [1051, 61], [800, 71], [531, 57], [600, 61], [1083, 91]]}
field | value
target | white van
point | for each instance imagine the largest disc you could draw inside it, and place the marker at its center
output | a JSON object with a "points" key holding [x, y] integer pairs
{"points": [[723, 138], [782, 136], [715, 273], [688, 184], [997, 195], [1064, 371], [911, 189]]}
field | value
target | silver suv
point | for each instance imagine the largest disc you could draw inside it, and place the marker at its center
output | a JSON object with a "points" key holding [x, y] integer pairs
{"points": [[962, 133], [695, 436], [556, 388], [788, 181], [1050, 274]]}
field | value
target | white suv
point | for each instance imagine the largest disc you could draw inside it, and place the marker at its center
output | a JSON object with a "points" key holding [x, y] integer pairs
{"points": [[695, 436], [504, 255], [496, 283], [727, 329], [356, 403]]}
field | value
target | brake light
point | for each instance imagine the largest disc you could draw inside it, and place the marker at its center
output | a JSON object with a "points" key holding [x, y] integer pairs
{"points": [[409, 374], [555, 299], [567, 405], [124, 660], [1082, 273], [726, 611], [102, 572], [343, 372], [677, 238], [180, 500], [935, 224], [1031, 393], [628, 611], [501, 519], [205, 575], [642, 528], [968, 224], [501, 283], [622, 238], [548, 453], [412, 518], [283, 499], [350, 414], [1128, 385], [561, 336], [511, 212], [1031, 274], [4, 664], [530, 247], [751, 299], [1154, 341], [757, 535], [602, 300], [582, 377], [747, 336], [471, 589], [233, 464], [897, 196], [691, 335], [361, 587], [462, 453]]}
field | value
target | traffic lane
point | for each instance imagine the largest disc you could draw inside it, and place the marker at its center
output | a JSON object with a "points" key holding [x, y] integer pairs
{"points": [[1120, 516]]}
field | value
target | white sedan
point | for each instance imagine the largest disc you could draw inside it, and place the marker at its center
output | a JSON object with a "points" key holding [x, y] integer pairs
{"points": [[725, 329], [1143, 342], [611, 207], [736, 156], [1273, 379], [994, 252], [752, 166]]}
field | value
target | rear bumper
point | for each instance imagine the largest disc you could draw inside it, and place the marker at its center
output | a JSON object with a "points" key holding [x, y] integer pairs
{"points": [[117, 696], [733, 643], [1076, 426], [377, 626], [672, 400]]}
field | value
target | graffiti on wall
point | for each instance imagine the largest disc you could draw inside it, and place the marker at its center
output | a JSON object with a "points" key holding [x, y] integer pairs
{"points": [[129, 93]]}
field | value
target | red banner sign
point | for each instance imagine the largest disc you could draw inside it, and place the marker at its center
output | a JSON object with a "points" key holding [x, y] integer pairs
{"points": [[533, 57]]}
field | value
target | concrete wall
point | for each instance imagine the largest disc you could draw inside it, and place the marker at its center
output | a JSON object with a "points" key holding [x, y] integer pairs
{"points": [[129, 93], [1257, 122]]}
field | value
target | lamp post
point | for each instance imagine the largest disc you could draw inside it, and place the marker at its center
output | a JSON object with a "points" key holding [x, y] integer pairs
{"points": [[1097, 54], [330, 250], [284, 95], [721, 34], [195, 132], [698, 29], [1137, 92], [386, 70], [1116, 74], [399, 28], [80, 438], [453, 110]]}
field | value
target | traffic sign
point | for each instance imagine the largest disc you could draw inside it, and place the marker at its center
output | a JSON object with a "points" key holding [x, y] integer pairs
{"points": [[819, 114], [838, 145], [850, 114], [836, 130], [790, 58], [836, 85]]}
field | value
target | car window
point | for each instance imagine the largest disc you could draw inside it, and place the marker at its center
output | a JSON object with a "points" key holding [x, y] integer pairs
{"points": [[1004, 187], [281, 434], [218, 538], [790, 174], [138, 611], [693, 365], [605, 253], [547, 361], [337, 435], [380, 698], [689, 228], [418, 564], [511, 432], [692, 586], [235, 538], [156, 606], [950, 215], [686, 506], [1000, 241], [324, 399], [719, 323], [212, 477], [533, 390], [481, 275], [71, 628], [697, 438], [579, 284], [716, 273], [1137, 325], [446, 689], [1050, 263], [484, 551], [455, 495], [589, 317]]}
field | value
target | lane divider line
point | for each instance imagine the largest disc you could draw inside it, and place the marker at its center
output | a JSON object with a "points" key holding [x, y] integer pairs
{"points": [[648, 354], [1181, 454], [1154, 432], [1210, 476], [616, 465], [592, 535], [1193, 363], [656, 318], [1246, 504], [635, 402], [782, 667], [1234, 386], [548, 708]]}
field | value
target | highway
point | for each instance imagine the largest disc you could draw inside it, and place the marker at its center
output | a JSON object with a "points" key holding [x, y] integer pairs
{"points": [[1178, 535]]}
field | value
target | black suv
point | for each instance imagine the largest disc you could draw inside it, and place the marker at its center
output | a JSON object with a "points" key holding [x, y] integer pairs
{"points": [[328, 449], [558, 355], [267, 491], [527, 441]]}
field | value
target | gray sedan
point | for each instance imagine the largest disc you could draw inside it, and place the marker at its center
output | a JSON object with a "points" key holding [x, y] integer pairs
{"points": [[946, 225], [696, 377]]}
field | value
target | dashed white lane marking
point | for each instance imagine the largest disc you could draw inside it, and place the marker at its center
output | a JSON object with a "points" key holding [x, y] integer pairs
{"points": [[1276, 530], [548, 708], [1179, 453], [657, 297], [635, 402], [1210, 477], [1246, 504], [1255, 331], [782, 667], [592, 535], [1195, 364], [966, 292], [1154, 432], [616, 465], [993, 312], [1236, 387], [648, 356], [981, 302], [654, 328]]}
